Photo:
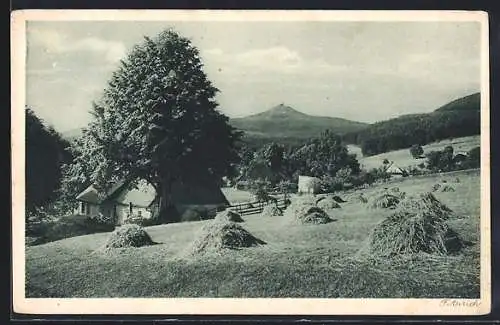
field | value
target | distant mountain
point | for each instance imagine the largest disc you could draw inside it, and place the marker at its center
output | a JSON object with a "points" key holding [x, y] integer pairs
{"points": [[458, 118], [285, 124]]}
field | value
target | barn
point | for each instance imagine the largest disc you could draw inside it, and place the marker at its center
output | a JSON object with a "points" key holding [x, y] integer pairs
{"points": [[123, 200]]}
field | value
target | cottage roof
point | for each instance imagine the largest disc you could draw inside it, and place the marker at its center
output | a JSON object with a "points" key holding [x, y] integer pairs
{"points": [[90, 195], [144, 194], [393, 168]]}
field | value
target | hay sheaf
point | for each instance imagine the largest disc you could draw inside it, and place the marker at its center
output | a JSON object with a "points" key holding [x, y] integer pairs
{"points": [[417, 225], [384, 201], [426, 202], [271, 211], [436, 187], [229, 216], [306, 212], [359, 197], [406, 232], [447, 188], [128, 235], [217, 236], [327, 203]]}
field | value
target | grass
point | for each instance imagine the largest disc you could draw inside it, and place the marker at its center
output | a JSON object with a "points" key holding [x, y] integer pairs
{"points": [[235, 196], [297, 261], [403, 157]]}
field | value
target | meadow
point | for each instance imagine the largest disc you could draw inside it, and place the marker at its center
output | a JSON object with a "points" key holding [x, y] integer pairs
{"points": [[297, 260], [403, 158]]}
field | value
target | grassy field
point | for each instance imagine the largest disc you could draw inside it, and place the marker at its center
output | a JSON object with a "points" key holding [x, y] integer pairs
{"points": [[403, 158], [297, 261], [235, 196]]}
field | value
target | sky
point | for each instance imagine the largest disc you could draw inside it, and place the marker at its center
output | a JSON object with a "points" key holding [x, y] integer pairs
{"points": [[363, 71]]}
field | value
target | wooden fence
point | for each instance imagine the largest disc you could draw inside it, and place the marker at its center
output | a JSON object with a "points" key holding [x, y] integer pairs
{"points": [[255, 206]]}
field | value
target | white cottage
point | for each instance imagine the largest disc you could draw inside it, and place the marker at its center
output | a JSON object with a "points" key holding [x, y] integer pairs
{"points": [[394, 170], [123, 200]]}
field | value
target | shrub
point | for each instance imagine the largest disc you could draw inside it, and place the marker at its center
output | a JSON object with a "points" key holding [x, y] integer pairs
{"points": [[192, 214], [229, 216], [68, 226], [416, 151]]}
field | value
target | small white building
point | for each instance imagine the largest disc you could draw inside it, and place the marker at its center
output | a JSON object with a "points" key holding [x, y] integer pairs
{"points": [[395, 170], [308, 185]]}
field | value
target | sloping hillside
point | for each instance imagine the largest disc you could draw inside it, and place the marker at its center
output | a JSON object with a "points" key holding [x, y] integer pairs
{"points": [[283, 123], [467, 103], [459, 118]]}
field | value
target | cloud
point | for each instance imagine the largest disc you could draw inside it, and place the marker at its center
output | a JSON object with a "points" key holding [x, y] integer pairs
{"points": [[255, 62], [57, 42]]}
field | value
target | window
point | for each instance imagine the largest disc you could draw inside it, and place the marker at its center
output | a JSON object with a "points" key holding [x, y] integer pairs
{"points": [[82, 207]]}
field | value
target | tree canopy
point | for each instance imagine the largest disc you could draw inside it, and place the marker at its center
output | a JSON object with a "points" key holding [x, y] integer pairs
{"points": [[45, 154], [157, 120]]}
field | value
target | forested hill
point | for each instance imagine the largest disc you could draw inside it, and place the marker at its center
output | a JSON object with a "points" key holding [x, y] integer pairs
{"points": [[458, 118], [288, 126], [467, 103]]}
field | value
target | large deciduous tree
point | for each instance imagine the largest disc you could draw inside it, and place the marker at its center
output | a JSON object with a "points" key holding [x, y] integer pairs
{"points": [[158, 121]]}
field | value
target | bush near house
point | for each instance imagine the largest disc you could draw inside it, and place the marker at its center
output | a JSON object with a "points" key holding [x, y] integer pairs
{"points": [[65, 227]]}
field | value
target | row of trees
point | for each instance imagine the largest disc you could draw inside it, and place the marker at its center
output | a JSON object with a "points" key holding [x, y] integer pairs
{"points": [[405, 131], [324, 157], [445, 160]]}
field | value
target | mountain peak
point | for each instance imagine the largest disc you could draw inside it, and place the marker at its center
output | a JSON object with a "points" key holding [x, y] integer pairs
{"points": [[282, 108]]}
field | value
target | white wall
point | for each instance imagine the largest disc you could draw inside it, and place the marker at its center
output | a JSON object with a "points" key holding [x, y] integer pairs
{"points": [[308, 184]]}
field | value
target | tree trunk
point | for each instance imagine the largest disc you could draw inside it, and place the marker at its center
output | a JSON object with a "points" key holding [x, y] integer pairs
{"points": [[167, 211]]}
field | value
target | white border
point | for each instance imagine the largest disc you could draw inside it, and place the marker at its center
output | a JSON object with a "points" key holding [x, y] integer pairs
{"points": [[223, 305]]}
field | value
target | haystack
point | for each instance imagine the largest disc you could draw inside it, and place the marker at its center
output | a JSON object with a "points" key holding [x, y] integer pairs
{"points": [[229, 216], [304, 212], [428, 203], [271, 211], [406, 232], [384, 201], [397, 192], [327, 203], [129, 235], [447, 188], [417, 225], [359, 198], [436, 187], [217, 236]]}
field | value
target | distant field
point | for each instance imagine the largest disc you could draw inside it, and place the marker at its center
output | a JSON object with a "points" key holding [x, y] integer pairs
{"points": [[403, 158], [297, 261]]}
